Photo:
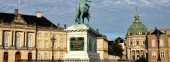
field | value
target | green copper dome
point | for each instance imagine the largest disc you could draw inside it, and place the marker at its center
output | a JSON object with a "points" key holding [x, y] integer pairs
{"points": [[137, 28]]}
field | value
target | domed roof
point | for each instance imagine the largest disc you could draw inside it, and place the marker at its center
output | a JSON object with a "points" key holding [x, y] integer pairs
{"points": [[137, 28]]}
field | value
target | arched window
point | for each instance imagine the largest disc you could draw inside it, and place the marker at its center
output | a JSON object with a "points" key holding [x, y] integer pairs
{"points": [[161, 43], [153, 43], [6, 40], [29, 41], [18, 39]]}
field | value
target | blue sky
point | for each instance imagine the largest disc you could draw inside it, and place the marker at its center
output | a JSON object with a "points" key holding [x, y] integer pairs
{"points": [[112, 17]]}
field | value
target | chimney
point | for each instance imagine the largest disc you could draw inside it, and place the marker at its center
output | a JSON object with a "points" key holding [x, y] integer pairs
{"points": [[38, 14], [58, 24], [16, 11], [164, 32], [64, 25]]}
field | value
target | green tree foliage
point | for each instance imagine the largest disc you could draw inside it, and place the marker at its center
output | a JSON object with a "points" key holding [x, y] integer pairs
{"points": [[116, 49]]}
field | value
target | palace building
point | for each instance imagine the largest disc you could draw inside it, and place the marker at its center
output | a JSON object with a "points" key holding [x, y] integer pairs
{"points": [[164, 45], [29, 37]]}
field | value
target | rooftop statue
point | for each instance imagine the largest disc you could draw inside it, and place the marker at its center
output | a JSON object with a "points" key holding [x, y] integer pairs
{"points": [[82, 11]]}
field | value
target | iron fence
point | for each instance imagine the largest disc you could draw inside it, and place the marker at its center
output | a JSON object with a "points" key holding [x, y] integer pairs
{"points": [[75, 60]]}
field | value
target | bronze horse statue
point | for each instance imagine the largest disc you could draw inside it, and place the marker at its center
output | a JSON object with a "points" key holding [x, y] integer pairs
{"points": [[82, 11]]}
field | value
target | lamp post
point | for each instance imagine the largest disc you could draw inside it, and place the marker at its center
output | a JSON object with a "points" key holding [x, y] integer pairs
{"points": [[53, 39], [158, 34]]}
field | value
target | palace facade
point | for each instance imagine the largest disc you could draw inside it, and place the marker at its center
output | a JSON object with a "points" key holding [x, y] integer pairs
{"points": [[164, 44], [29, 37]]}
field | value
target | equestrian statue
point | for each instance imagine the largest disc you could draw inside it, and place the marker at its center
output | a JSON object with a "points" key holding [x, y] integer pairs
{"points": [[82, 11]]}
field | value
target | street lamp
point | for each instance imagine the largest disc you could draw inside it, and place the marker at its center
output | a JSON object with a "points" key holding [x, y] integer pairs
{"points": [[158, 33], [53, 39]]}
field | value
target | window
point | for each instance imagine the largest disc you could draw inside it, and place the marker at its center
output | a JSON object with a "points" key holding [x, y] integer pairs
{"points": [[39, 34], [61, 45], [45, 56], [131, 42], [29, 42], [137, 42], [61, 55], [18, 41], [153, 43], [46, 44], [46, 34], [161, 43], [162, 54], [5, 57], [153, 54], [61, 35], [39, 44], [39, 55], [6, 41], [55, 55]]}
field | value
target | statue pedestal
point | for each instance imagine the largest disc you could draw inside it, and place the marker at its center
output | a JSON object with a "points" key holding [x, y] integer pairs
{"points": [[81, 42]]}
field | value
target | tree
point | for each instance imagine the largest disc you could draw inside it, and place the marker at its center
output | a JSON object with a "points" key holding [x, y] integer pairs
{"points": [[116, 49]]}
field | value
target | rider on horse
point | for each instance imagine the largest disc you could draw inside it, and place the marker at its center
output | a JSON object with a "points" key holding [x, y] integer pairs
{"points": [[82, 11]]}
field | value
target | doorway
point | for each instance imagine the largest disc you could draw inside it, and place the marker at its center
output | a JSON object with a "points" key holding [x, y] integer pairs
{"points": [[17, 56], [5, 57]]}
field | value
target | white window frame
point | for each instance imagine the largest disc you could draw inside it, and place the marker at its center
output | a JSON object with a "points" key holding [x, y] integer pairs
{"points": [[154, 55], [61, 44], [61, 55], [46, 43], [45, 56], [162, 54], [39, 44], [39, 55], [18, 41], [29, 42], [6, 41], [46, 34], [161, 43], [153, 43]]}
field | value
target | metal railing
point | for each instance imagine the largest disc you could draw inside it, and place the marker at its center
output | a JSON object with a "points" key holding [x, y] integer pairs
{"points": [[76, 60]]}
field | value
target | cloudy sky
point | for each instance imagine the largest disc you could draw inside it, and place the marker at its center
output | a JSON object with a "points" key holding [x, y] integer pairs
{"points": [[112, 17]]}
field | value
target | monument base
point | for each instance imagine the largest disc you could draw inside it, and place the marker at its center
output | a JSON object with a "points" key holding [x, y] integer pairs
{"points": [[81, 55]]}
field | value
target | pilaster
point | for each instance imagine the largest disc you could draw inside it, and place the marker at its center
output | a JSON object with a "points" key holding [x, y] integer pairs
{"points": [[14, 36], [1, 38]]}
